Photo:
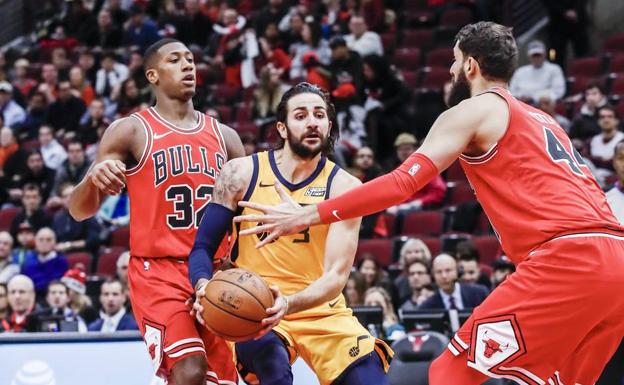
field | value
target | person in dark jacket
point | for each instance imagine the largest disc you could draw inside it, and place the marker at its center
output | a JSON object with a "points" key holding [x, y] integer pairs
{"points": [[113, 316]]}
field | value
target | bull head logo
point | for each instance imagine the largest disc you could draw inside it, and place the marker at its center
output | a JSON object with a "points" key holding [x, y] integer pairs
{"points": [[492, 346]]}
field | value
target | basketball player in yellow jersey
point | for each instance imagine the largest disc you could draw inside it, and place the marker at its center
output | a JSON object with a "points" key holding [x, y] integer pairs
{"points": [[307, 271]]}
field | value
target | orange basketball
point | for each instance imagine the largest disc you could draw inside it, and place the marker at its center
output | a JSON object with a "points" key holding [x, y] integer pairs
{"points": [[235, 303]]}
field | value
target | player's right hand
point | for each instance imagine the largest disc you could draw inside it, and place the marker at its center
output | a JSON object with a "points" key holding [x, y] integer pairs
{"points": [[108, 176]]}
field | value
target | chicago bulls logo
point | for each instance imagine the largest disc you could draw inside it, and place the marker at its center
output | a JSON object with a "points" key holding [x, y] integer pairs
{"points": [[492, 346]]}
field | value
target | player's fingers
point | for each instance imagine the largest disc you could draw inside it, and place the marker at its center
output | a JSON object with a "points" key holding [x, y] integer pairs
{"points": [[250, 218], [272, 236], [118, 172], [258, 229], [116, 181], [283, 196], [256, 206]]}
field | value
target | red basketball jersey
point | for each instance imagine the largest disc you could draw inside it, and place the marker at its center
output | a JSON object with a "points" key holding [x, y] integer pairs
{"points": [[172, 184], [533, 185]]}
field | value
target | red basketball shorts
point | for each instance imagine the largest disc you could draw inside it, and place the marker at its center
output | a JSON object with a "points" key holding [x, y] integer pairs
{"points": [[159, 288], [557, 320]]}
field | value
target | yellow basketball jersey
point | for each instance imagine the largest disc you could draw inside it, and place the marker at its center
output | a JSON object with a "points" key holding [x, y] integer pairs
{"points": [[291, 262]]}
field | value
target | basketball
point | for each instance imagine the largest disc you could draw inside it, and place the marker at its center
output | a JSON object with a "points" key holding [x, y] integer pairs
{"points": [[235, 303]]}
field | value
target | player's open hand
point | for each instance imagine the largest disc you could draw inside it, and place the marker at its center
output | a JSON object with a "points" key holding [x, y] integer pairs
{"points": [[108, 176], [275, 313], [197, 310], [284, 219]]}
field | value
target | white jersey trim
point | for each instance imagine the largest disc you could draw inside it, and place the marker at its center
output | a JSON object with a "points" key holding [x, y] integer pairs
{"points": [[186, 131], [149, 141], [182, 342], [186, 351]]}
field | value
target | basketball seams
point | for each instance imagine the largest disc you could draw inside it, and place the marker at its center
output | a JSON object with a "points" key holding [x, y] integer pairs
{"points": [[232, 313], [244, 289]]}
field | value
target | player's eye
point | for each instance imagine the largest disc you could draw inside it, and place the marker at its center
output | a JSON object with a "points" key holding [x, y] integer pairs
{"points": [[299, 117], [320, 115]]}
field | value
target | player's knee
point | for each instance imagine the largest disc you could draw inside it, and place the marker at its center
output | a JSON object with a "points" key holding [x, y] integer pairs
{"points": [[189, 371]]}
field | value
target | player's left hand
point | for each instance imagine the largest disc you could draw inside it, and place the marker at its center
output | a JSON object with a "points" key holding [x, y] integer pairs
{"points": [[274, 313], [197, 309]]}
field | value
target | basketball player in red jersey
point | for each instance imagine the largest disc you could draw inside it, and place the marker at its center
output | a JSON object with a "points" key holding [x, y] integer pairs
{"points": [[169, 156], [558, 319]]}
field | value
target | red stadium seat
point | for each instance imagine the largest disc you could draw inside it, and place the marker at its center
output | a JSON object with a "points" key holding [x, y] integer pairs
{"points": [[6, 217], [120, 237], [620, 108], [247, 127], [456, 17], [435, 77], [80, 258], [380, 248], [391, 222], [411, 78], [614, 43], [417, 5], [587, 66], [577, 85], [407, 58], [483, 226], [225, 113], [434, 245], [388, 42], [454, 173], [440, 57], [487, 269], [488, 246], [459, 192], [417, 38], [617, 87], [107, 261], [244, 113], [225, 93], [421, 223], [616, 64]]}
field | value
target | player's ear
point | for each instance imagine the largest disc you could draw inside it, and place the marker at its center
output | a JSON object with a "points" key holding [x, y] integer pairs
{"points": [[470, 66], [152, 75], [281, 130]]}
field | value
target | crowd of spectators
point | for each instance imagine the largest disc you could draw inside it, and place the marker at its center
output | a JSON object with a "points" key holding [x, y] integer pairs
{"points": [[387, 73]]}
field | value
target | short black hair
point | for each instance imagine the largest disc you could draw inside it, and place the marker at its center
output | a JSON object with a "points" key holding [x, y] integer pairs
{"points": [[152, 50], [467, 251], [608, 107], [305, 88], [492, 46]]}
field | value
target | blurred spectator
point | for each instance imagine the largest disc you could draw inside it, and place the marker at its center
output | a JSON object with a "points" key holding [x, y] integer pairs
{"points": [[267, 96], [361, 40], [35, 116], [140, 30], [365, 168], [346, 68], [615, 196], [57, 304], [546, 102], [568, 23], [469, 264], [392, 329], [44, 264], [129, 99], [122, 268], [79, 21], [501, 269], [374, 14], [602, 146], [540, 75], [371, 270], [60, 62], [80, 85], [452, 294], [87, 132], [113, 316], [405, 145], [25, 243], [73, 169], [387, 104], [21, 80], [119, 13], [49, 75], [412, 250], [272, 51], [193, 27], [64, 114], [291, 27], [272, 13], [110, 75], [109, 35], [52, 152], [31, 211], [418, 277], [73, 235], [354, 289], [4, 303], [136, 71], [21, 297], [86, 61], [250, 143], [114, 212], [8, 269], [12, 113], [311, 42], [226, 45], [36, 173], [76, 282], [8, 145], [585, 124]]}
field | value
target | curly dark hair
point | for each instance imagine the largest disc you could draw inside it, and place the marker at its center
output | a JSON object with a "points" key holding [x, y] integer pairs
{"points": [[492, 46]]}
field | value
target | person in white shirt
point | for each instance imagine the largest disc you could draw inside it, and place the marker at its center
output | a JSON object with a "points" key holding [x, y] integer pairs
{"points": [[52, 151], [11, 112], [113, 316], [602, 146], [538, 76], [111, 75], [615, 196], [361, 40]]}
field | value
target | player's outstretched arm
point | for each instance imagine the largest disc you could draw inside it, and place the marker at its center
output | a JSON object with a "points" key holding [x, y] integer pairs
{"points": [[121, 139], [448, 137], [340, 248]]}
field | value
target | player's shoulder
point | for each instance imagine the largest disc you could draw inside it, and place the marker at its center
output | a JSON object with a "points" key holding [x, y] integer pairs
{"points": [[233, 143], [124, 130], [478, 108], [343, 181]]}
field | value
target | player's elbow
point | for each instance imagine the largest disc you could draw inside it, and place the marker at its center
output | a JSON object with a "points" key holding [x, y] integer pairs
{"points": [[78, 215]]}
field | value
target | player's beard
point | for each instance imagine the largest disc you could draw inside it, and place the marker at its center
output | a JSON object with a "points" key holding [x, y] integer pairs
{"points": [[459, 91], [303, 151]]}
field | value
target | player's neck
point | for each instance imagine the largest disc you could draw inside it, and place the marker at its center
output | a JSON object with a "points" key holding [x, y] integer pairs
{"points": [[177, 112], [480, 85], [294, 168]]}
